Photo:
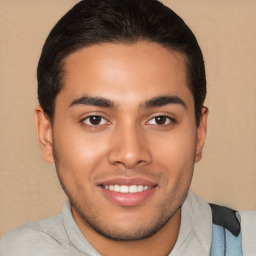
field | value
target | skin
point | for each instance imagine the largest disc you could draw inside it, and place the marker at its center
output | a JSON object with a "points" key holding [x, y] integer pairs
{"points": [[129, 141]]}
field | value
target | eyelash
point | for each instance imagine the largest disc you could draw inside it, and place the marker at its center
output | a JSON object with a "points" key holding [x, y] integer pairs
{"points": [[106, 122], [95, 125], [167, 118]]}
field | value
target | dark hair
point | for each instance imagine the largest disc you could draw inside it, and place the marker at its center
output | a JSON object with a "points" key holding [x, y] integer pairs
{"points": [[117, 21]]}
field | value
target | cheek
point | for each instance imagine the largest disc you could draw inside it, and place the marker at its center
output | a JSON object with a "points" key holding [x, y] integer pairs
{"points": [[79, 153], [177, 146], [175, 153]]}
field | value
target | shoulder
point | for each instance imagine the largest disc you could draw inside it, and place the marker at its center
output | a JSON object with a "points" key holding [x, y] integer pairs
{"points": [[248, 227], [44, 237]]}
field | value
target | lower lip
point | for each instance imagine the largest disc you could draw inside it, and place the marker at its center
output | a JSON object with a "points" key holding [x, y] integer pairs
{"points": [[128, 199]]}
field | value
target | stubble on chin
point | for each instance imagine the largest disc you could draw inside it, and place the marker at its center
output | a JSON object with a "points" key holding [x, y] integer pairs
{"points": [[90, 216]]}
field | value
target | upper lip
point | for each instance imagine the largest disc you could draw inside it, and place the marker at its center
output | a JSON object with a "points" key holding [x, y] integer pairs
{"points": [[128, 181]]}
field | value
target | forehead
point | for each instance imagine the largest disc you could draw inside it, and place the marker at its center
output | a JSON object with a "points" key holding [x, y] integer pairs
{"points": [[125, 71]]}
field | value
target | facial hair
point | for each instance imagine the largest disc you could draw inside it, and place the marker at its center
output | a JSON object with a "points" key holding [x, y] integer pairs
{"points": [[113, 232]]}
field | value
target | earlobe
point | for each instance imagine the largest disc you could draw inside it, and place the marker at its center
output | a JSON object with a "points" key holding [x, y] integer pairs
{"points": [[201, 134], [44, 132]]}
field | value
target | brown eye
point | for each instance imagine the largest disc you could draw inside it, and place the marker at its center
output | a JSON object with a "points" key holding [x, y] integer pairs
{"points": [[95, 120], [160, 120]]}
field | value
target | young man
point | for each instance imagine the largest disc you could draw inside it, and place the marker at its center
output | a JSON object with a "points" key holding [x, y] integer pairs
{"points": [[121, 86]]}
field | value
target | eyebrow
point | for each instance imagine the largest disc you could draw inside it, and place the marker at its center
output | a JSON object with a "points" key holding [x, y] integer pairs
{"points": [[107, 103], [162, 101], [93, 101]]}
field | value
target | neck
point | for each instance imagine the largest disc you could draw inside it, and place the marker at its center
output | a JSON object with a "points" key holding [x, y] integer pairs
{"points": [[161, 243]]}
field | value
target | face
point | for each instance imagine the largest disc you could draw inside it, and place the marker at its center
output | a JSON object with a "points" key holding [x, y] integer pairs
{"points": [[124, 137]]}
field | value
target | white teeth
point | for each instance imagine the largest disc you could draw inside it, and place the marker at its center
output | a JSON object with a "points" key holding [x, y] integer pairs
{"points": [[140, 188], [127, 189], [123, 189], [133, 189], [116, 188]]}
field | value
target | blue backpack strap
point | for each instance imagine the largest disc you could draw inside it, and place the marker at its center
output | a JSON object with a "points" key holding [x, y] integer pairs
{"points": [[226, 232]]}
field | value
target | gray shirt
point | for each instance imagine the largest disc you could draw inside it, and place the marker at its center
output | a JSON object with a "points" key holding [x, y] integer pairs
{"points": [[60, 235]]}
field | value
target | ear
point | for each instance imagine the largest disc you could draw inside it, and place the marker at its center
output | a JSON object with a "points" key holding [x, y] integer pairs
{"points": [[201, 133], [44, 132]]}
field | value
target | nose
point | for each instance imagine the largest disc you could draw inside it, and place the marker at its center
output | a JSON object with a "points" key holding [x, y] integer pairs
{"points": [[129, 148]]}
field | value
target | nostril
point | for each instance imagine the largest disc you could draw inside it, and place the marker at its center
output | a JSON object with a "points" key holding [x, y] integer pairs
{"points": [[129, 153]]}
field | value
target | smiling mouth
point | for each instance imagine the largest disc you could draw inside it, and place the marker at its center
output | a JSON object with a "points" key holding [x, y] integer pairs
{"points": [[127, 189], [128, 195], [128, 192]]}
